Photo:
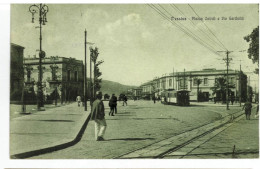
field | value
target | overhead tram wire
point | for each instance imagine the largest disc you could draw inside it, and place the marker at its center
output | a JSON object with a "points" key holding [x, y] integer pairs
{"points": [[167, 18], [173, 23], [208, 27], [203, 32], [187, 29], [183, 30]]}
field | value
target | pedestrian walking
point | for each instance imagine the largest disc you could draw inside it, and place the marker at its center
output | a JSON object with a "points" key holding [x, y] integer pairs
{"points": [[124, 100], [98, 115], [114, 102], [112, 108], [232, 100], [154, 99], [247, 107], [78, 99]]}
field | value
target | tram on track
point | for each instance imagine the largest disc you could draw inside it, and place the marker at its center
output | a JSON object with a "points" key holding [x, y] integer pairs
{"points": [[176, 97]]}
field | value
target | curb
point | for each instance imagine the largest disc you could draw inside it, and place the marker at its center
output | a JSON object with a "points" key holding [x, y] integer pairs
{"points": [[56, 147]]}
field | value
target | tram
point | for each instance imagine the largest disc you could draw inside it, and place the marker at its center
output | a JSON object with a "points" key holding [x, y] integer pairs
{"points": [[176, 97]]}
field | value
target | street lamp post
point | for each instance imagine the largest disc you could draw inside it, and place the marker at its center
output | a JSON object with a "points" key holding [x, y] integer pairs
{"points": [[42, 10]]}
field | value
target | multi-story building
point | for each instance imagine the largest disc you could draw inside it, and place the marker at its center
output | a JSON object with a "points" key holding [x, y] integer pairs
{"points": [[137, 92], [61, 76], [188, 80], [16, 72]]}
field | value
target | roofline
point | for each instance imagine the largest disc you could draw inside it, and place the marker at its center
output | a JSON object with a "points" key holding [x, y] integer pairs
{"points": [[17, 45]]}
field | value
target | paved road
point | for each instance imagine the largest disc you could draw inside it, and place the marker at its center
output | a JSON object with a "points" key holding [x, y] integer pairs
{"points": [[137, 125]]}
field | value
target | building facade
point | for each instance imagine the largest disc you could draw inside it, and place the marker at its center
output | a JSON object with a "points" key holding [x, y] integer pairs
{"points": [[62, 77], [16, 72], [137, 92], [188, 80]]}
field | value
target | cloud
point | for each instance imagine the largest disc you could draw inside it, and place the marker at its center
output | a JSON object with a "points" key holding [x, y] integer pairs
{"points": [[128, 29]]}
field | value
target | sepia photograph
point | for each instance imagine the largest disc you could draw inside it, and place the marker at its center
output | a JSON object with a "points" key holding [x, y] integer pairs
{"points": [[134, 81]]}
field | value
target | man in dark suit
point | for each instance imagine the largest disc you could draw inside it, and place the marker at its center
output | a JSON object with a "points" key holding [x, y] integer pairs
{"points": [[98, 115]]}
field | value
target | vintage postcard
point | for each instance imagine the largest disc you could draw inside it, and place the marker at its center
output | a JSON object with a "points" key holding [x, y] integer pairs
{"points": [[134, 81]]}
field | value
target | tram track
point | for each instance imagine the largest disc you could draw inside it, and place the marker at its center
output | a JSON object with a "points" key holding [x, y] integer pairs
{"points": [[171, 145]]}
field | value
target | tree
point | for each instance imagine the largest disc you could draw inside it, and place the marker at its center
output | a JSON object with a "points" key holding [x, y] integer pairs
{"points": [[154, 89], [198, 82], [220, 87], [94, 56], [253, 50]]}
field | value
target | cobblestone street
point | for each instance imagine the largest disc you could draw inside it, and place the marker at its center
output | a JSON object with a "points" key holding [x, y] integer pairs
{"points": [[141, 124]]}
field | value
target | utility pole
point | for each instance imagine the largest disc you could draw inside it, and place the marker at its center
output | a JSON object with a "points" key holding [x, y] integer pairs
{"points": [[178, 85], [173, 78], [85, 73], [227, 60], [190, 82], [90, 77], [184, 80], [240, 85]]}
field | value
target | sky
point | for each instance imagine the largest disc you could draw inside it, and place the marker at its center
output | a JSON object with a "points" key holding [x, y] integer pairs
{"points": [[135, 42]]}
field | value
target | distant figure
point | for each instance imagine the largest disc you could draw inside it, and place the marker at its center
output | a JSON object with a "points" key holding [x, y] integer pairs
{"points": [[134, 98], [78, 99], [124, 100], [232, 100], [114, 102], [110, 103], [247, 107], [83, 100], [98, 115], [113, 105], [257, 111], [154, 99], [165, 100]]}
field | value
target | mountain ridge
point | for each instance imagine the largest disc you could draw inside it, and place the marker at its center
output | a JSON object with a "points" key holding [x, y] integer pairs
{"points": [[110, 87]]}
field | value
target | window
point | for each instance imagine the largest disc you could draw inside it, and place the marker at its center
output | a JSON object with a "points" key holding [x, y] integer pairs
{"points": [[68, 75], [205, 81], [28, 75], [181, 83], [195, 83], [76, 76], [54, 69], [232, 80], [163, 84], [170, 82]]}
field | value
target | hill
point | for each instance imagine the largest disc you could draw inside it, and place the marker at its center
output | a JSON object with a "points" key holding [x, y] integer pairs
{"points": [[111, 87]]}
